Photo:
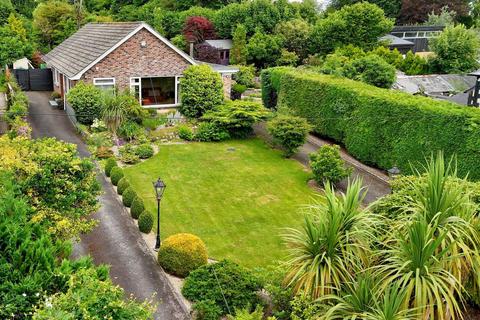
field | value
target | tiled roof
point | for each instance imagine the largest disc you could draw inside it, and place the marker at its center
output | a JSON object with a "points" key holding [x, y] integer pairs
{"points": [[221, 44], [87, 45]]}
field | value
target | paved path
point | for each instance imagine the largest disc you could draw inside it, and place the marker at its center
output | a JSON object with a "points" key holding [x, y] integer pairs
{"points": [[375, 180], [116, 240]]}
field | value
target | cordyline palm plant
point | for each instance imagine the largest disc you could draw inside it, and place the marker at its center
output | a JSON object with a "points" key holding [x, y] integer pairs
{"points": [[362, 299], [449, 208], [114, 112], [333, 244], [416, 262]]}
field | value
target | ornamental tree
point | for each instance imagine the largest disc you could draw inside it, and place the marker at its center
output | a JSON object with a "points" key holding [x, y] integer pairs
{"points": [[391, 7], [202, 90], [337, 29], [414, 11], [456, 50], [198, 29], [238, 54], [55, 21]]}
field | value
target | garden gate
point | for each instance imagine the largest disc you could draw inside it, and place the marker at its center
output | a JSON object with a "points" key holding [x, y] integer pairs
{"points": [[34, 79]]}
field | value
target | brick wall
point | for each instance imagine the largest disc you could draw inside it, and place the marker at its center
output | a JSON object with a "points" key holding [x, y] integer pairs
{"points": [[131, 60]]}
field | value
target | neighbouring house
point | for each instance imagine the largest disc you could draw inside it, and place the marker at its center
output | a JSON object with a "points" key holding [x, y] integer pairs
{"points": [[217, 51], [418, 35], [402, 45], [452, 87], [125, 56]]}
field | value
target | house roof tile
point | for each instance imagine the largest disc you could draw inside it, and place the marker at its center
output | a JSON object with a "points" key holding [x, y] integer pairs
{"points": [[87, 45]]}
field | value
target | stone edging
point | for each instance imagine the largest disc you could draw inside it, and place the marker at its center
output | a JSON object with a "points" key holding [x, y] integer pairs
{"points": [[175, 289]]}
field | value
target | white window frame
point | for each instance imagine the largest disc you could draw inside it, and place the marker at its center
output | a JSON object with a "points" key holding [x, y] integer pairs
{"points": [[103, 84], [56, 77], [156, 106]]}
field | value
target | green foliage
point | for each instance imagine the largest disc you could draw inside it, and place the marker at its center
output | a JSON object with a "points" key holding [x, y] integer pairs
{"points": [[61, 185], [128, 155], [122, 185], [6, 9], [130, 130], [103, 152], [333, 244], [263, 49], [245, 76], [238, 89], [238, 53], [202, 90], [303, 308], [128, 196], [238, 285], [109, 165], [295, 34], [328, 165], [456, 50], [185, 132], [87, 101], [287, 58], [182, 253], [373, 70], [115, 175], [245, 314], [137, 207], [144, 151], [414, 64], [390, 7], [14, 44], [209, 131], [383, 127], [237, 117], [207, 310], [393, 57], [55, 21], [145, 222], [89, 297], [336, 29], [289, 132], [271, 84], [180, 42]]}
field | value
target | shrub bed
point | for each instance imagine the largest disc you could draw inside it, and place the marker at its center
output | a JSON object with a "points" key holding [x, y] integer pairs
{"points": [[182, 253], [116, 174], [145, 222], [137, 208], [383, 127], [127, 197], [144, 151]]}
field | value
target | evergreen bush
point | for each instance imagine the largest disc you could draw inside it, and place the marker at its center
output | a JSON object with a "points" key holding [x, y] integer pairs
{"points": [[383, 127], [224, 282], [271, 84], [122, 185], [137, 207], [145, 222], [144, 151], [109, 165], [182, 253], [328, 165], [289, 132], [116, 174], [127, 196], [86, 100], [185, 132]]}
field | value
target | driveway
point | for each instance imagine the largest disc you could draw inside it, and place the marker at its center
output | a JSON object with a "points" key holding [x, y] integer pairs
{"points": [[116, 240]]}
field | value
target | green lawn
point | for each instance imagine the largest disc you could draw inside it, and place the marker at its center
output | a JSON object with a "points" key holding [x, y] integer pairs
{"points": [[236, 201]]}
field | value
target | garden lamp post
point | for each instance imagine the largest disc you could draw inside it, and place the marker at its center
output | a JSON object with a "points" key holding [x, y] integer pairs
{"points": [[159, 187], [394, 172]]}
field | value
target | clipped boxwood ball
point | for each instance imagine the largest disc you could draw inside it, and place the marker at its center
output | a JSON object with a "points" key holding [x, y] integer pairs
{"points": [[137, 207], [145, 222], [116, 174], [122, 185], [127, 197], [109, 165], [182, 253]]}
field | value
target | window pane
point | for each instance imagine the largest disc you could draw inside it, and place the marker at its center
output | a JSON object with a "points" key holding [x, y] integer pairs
{"points": [[158, 91]]}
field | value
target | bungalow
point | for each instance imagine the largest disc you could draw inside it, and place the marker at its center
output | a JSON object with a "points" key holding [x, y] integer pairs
{"points": [[125, 56]]}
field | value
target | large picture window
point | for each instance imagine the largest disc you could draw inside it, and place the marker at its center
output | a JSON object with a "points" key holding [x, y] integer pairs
{"points": [[155, 91]]}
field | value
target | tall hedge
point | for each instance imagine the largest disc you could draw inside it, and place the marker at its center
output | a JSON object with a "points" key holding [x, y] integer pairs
{"points": [[271, 84], [383, 127]]}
